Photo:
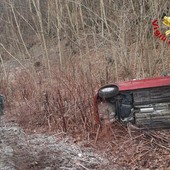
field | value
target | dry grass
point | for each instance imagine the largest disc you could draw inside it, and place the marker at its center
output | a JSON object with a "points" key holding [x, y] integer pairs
{"points": [[64, 105], [137, 149]]}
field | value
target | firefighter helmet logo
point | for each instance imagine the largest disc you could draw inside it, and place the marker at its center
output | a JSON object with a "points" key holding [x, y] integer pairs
{"points": [[162, 35], [166, 22]]}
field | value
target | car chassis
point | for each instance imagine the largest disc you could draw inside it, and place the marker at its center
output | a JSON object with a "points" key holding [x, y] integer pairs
{"points": [[145, 103]]}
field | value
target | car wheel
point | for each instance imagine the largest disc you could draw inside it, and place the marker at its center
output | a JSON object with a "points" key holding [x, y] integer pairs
{"points": [[108, 91]]}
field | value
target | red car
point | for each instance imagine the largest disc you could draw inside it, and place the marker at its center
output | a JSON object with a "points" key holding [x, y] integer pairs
{"points": [[145, 102]]}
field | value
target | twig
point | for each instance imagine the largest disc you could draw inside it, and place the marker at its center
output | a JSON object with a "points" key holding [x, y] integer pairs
{"points": [[82, 166], [139, 157], [162, 146], [97, 134]]}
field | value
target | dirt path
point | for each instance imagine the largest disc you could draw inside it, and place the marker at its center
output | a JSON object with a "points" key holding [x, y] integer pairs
{"points": [[20, 151]]}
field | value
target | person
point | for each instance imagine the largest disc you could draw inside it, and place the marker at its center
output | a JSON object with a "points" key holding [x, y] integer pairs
{"points": [[1, 105]]}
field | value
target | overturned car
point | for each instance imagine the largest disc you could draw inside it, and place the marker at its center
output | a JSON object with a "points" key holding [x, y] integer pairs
{"points": [[145, 103]]}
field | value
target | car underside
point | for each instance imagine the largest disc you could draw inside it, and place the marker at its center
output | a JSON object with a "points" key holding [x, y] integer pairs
{"points": [[145, 103]]}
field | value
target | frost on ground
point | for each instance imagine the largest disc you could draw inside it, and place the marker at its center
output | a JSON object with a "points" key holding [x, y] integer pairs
{"points": [[40, 151]]}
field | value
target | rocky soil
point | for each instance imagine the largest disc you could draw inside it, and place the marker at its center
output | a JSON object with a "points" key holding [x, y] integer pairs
{"points": [[19, 151]]}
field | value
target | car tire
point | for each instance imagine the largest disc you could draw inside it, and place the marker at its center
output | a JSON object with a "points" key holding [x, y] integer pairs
{"points": [[108, 91]]}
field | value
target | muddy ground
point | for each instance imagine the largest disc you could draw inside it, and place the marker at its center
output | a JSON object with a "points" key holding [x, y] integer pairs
{"points": [[21, 151]]}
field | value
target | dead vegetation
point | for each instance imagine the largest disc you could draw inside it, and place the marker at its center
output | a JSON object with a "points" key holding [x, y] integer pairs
{"points": [[65, 50], [134, 148]]}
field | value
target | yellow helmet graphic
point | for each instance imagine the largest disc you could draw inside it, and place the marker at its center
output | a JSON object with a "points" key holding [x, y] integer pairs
{"points": [[166, 22]]}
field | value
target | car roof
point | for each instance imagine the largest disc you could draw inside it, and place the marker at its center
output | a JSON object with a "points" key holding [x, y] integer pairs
{"points": [[144, 83]]}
